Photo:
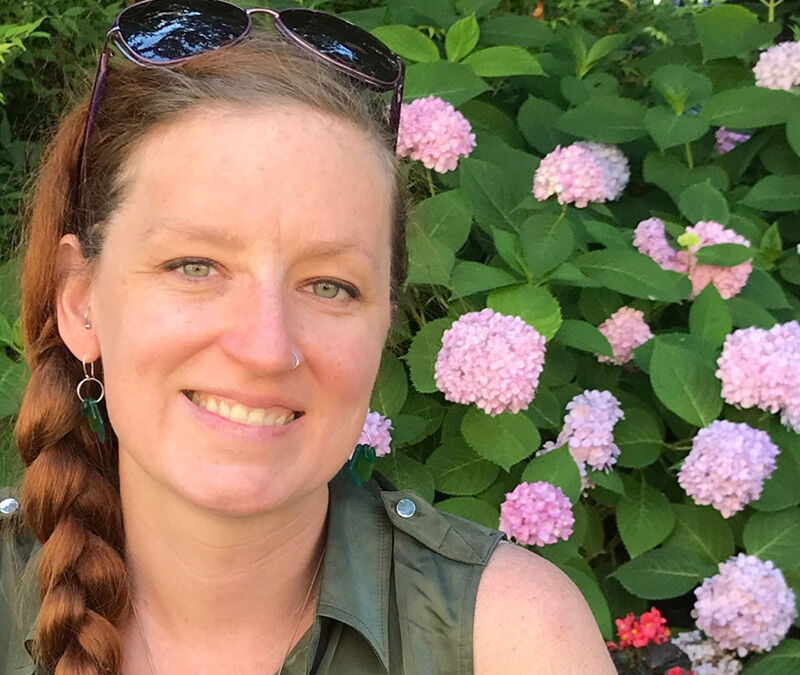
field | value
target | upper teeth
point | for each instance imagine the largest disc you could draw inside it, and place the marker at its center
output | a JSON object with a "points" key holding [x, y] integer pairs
{"points": [[238, 413]]}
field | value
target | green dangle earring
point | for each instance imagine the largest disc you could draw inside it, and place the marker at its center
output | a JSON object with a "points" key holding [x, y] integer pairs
{"points": [[89, 407], [362, 461]]}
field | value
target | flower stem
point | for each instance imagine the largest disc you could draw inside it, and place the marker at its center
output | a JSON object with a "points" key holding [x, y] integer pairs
{"points": [[689, 157], [430, 182]]}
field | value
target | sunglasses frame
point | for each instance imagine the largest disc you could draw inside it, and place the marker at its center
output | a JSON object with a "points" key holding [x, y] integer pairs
{"points": [[114, 33]]}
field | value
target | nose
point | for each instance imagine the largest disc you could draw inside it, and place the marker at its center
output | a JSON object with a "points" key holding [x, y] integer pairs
{"points": [[261, 330]]}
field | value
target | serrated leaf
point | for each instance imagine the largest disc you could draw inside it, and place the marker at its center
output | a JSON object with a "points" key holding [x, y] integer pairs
{"points": [[793, 133], [558, 468], [407, 474], [780, 489], [724, 255], [534, 305], [470, 277], [644, 518], [488, 193], [504, 439], [524, 31], [430, 261], [391, 386], [13, 380], [584, 336], [782, 660], [422, 354], [608, 119], [461, 38], [453, 82], [639, 438], [685, 383], [729, 30], [547, 241], [702, 201], [663, 573], [503, 61], [408, 43], [445, 217], [471, 508], [750, 107], [762, 289], [774, 536], [702, 530], [774, 193], [709, 317], [458, 470], [668, 129], [537, 121], [681, 87]]}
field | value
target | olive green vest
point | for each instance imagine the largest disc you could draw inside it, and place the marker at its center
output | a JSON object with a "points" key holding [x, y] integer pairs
{"points": [[397, 596]]}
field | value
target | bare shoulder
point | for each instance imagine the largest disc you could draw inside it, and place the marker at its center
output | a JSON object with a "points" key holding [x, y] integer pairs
{"points": [[529, 612]]}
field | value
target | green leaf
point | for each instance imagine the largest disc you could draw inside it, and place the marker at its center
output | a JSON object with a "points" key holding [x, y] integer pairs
{"points": [[407, 474], [608, 119], [793, 133], [784, 659], [774, 193], [702, 201], [746, 313], [724, 255], [750, 107], [13, 380], [537, 119], [503, 61], [668, 129], [436, 13], [461, 38], [709, 317], [471, 508], [420, 417], [509, 249], [391, 386], [731, 31], [584, 336], [610, 236], [774, 536], [664, 573], [780, 489], [504, 439], [429, 261], [458, 470], [6, 332], [534, 305], [524, 31], [673, 177], [487, 192], [639, 438], [681, 87], [644, 518], [608, 480], [556, 467], [685, 383], [771, 243], [408, 43], [445, 217], [453, 82], [604, 46], [547, 241], [702, 530], [633, 274], [762, 289], [422, 354], [471, 277]]}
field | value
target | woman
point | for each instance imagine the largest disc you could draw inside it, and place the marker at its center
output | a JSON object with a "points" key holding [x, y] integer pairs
{"points": [[213, 257]]}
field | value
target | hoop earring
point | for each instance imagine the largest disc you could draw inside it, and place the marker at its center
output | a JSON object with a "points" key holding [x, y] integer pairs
{"points": [[362, 462], [89, 407]]}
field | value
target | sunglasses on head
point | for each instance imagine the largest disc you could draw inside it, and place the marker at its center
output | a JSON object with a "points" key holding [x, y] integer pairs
{"points": [[159, 33]]}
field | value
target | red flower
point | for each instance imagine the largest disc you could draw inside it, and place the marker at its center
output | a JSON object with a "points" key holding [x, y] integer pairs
{"points": [[627, 630], [653, 627], [677, 670]]}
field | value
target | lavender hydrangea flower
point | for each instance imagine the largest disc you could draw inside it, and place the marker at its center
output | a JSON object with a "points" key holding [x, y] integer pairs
{"points": [[491, 360], [746, 607], [761, 368], [625, 330], [376, 433], [779, 67], [728, 465], [728, 140], [435, 133], [581, 173], [536, 513]]}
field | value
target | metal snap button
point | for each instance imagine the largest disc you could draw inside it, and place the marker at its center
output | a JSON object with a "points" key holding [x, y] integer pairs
{"points": [[405, 508], [8, 506]]}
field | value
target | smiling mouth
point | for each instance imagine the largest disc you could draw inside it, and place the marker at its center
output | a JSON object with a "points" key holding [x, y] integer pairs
{"points": [[236, 412]]}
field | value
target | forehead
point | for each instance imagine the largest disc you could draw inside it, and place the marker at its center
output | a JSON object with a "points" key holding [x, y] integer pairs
{"points": [[284, 168]]}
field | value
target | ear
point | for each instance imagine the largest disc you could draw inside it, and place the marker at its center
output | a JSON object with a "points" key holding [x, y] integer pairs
{"points": [[73, 300]]}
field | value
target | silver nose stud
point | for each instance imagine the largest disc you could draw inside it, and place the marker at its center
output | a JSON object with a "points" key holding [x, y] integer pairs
{"points": [[8, 506]]}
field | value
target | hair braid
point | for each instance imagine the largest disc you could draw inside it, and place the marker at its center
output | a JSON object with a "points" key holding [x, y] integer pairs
{"points": [[69, 498]]}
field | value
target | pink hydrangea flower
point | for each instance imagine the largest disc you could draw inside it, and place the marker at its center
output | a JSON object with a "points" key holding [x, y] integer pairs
{"points": [[435, 133], [581, 173], [376, 433], [728, 465], [779, 67], [588, 430], [536, 513], [651, 240], [728, 140], [491, 360], [746, 607], [625, 329], [761, 368]]}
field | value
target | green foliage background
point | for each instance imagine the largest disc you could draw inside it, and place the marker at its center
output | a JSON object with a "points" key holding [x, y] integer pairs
{"points": [[655, 80]]}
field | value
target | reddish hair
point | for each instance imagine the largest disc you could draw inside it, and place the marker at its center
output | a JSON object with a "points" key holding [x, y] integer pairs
{"points": [[70, 496]]}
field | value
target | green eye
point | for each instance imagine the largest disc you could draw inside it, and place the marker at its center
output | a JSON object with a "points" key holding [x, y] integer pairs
{"points": [[196, 269], [326, 289]]}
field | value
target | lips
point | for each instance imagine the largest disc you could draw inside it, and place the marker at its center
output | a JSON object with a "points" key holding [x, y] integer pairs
{"points": [[236, 411]]}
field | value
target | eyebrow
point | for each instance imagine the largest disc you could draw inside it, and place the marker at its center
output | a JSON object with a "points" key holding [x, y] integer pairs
{"points": [[231, 240]]}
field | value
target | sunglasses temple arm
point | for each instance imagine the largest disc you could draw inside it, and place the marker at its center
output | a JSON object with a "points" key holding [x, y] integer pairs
{"points": [[94, 104], [397, 100]]}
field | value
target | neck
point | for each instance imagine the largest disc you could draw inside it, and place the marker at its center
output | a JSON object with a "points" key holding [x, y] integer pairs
{"points": [[193, 571]]}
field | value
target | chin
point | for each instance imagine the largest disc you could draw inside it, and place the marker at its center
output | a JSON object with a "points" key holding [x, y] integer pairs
{"points": [[227, 495]]}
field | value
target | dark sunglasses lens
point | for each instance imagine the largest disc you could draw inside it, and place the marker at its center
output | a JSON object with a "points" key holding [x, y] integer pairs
{"points": [[166, 30], [343, 42]]}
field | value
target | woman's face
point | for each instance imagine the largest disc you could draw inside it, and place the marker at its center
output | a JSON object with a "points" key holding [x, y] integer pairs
{"points": [[244, 235]]}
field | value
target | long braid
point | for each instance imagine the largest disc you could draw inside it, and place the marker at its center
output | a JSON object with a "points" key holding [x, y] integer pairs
{"points": [[69, 498]]}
